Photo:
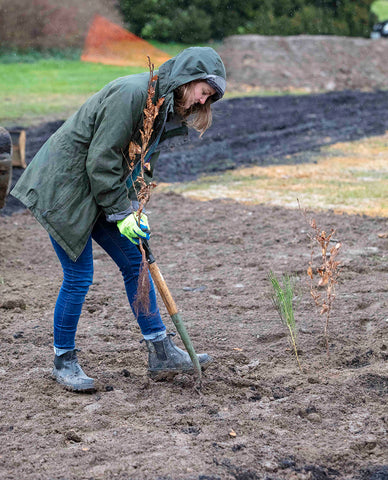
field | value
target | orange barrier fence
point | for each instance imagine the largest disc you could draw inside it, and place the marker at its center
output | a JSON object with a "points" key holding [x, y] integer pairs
{"points": [[111, 44]]}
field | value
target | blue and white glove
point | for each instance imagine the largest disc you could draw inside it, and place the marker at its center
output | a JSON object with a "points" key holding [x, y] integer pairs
{"points": [[130, 228]]}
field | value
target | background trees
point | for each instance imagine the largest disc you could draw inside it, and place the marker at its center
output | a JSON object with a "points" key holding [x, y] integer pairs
{"points": [[191, 21], [45, 24]]}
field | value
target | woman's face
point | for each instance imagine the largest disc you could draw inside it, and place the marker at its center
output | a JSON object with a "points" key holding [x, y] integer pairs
{"points": [[199, 92]]}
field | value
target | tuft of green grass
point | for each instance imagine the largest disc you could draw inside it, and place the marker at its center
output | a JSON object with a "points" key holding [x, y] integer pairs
{"points": [[283, 300]]}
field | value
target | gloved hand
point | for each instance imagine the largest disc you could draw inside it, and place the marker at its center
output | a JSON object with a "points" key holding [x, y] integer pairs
{"points": [[129, 227]]}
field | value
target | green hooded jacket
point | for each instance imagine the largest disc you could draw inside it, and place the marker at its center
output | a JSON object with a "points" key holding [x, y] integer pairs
{"points": [[81, 171]]}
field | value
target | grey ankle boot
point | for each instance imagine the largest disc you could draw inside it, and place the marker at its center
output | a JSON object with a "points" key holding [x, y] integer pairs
{"points": [[165, 359], [67, 372]]}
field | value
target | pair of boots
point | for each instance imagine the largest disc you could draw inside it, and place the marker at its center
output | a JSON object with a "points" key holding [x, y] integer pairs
{"points": [[165, 359]]}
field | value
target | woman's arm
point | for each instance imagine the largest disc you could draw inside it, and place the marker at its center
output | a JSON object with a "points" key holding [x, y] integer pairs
{"points": [[116, 121]]}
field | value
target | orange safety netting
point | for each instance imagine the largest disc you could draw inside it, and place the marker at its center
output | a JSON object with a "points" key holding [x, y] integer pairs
{"points": [[110, 44]]}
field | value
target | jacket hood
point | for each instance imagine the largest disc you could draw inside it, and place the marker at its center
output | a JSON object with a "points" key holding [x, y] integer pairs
{"points": [[194, 63]]}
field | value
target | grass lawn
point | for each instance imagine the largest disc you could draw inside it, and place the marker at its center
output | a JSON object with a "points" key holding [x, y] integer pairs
{"points": [[36, 87], [30, 92]]}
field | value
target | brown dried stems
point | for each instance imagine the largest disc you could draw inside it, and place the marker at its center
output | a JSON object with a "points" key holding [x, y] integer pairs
{"points": [[143, 193], [324, 275], [150, 113]]}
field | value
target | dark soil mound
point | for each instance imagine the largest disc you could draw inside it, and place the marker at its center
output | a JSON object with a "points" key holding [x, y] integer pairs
{"points": [[267, 130]]}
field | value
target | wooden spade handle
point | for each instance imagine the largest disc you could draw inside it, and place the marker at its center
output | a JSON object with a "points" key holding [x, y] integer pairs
{"points": [[160, 283], [164, 292]]}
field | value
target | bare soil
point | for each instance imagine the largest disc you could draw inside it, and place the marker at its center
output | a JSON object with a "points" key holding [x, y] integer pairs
{"points": [[258, 416], [311, 63]]}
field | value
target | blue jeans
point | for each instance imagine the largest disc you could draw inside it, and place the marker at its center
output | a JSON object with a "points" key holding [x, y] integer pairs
{"points": [[78, 276]]}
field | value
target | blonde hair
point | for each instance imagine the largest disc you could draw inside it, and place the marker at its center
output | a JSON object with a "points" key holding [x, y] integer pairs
{"points": [[198, 116]]}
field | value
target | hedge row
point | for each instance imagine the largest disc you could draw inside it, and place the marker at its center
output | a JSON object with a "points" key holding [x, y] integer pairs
{"points": [[193, 21]]}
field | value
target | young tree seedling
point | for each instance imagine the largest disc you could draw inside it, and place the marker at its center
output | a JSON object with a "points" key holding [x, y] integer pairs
{"points": [[283, 300]]}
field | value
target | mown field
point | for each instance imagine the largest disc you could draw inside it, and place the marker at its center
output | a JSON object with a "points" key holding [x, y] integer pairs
{"points": [[38, 86]]}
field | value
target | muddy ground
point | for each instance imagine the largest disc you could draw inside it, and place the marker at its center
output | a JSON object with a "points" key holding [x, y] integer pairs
{"points": [[258, 417]]}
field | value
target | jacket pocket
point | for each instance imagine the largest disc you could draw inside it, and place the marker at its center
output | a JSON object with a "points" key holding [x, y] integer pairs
{"points": [[72, 193]]}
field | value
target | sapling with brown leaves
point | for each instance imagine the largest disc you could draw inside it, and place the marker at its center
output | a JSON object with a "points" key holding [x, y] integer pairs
{"points": [[142, 189], [324, 275], [150, 113], [283, 299]]}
